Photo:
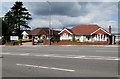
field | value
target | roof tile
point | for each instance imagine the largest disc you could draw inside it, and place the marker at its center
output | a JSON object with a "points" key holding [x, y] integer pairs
{"points": [[84, 29]]}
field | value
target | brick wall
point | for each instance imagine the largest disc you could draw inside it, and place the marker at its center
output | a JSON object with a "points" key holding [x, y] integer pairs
{"points": [[66, 42]]}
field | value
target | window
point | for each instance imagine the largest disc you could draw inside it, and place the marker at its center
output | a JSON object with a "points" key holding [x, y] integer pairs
{"points": [[65, 35], [25, 37], [88, 37], [104, 37], [98, 37]]}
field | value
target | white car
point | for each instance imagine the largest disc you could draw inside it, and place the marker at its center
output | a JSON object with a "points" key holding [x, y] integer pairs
{"points": [[36, 40]]}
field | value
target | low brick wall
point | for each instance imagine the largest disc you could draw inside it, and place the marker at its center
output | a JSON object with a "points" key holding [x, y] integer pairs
{"points": [[45, 42], [66, 42], [11, 44]]}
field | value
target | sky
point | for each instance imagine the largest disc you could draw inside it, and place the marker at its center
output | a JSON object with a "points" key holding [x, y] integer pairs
{"points": [[69, 14]]}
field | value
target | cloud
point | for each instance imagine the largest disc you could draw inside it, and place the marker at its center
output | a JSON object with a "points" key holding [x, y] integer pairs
{"points": [[105, 24], [67, 14], [72, 9], [38, 23], [62, 0]]}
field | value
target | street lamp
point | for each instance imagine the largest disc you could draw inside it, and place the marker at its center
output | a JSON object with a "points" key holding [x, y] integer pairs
{"points": [[49, 21]]}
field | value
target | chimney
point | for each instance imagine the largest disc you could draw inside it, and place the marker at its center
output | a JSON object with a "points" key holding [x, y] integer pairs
{"points": [[110, 29]]}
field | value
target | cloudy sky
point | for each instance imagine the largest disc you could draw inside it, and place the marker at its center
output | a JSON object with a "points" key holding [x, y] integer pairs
{"points": [[69, 14]]}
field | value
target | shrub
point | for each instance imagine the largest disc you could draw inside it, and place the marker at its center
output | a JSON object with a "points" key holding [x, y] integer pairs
{"points": [[76, 41], [55, 40], [25, 40]]}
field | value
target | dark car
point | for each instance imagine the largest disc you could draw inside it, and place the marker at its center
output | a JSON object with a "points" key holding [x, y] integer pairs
{"points": [[40, 41]]}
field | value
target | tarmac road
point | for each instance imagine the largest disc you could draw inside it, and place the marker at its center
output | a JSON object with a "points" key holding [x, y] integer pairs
{"points": [[60, 61]]}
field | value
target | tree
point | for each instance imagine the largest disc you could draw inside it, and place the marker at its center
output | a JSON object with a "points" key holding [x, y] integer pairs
{"points": [[4, 30], [16, 18], [8, 24]]}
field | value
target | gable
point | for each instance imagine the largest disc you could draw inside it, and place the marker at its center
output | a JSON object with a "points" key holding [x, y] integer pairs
{"points": [[43, 32], [100, 31], [38, 30], [65, 31], [24, 33]]}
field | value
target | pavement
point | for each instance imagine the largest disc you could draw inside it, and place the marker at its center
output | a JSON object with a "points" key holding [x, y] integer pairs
{"points": [[27, 43], [60, 61]]}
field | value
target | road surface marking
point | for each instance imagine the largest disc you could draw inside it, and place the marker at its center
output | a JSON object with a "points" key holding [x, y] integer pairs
{"points": [[22, 54], [112, 46], [82, 57], [5, 53], [26, 49], [25, 54], [62, 50], [43, 67], [105, 51], [67, 56]]}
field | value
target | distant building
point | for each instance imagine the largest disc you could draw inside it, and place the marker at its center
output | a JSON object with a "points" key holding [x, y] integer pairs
{"points": [[85, 33], [116, 38], [42, 33], [26, 34]]}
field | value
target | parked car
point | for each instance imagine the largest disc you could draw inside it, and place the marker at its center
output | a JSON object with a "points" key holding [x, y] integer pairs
{"points": [[40, 41], [36, 40]]}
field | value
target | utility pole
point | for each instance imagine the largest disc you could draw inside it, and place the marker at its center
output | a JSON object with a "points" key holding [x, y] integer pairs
{"points": [[49, 22]]}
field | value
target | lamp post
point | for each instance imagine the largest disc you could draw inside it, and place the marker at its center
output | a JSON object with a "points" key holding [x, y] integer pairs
{"points": [[49, 21]]}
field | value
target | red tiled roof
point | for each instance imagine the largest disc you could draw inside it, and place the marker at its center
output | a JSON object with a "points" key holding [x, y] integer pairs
{"points": [[66, 31], [39, 31], [84, 29], [69, 30], [100, 32], [28, 31]]}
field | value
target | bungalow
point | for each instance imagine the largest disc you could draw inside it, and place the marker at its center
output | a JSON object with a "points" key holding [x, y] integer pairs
{"points": [[42, 33], [85, 33]]}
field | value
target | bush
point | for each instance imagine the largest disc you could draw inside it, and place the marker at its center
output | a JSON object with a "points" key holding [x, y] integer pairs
{"points": [[25, 40], [76, 41], [3, 41], [55, 40], [16, 42]]}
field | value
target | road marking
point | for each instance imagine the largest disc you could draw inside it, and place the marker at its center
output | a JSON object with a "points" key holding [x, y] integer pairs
{"points": [[105, 51], [67, 56], [63, 50], [82, 57], [26, 49], [43, 67], [21, 54], [5, 53], [112, 46], [24, 54]]}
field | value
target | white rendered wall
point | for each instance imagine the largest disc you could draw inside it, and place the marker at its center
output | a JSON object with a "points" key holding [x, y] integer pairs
{"points": [[65, 37], [25, 35]]}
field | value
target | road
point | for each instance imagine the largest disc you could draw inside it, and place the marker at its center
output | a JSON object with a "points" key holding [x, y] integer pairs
{"points": [[60, 61]]}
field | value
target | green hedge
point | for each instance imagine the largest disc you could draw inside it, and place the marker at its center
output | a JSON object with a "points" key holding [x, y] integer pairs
{"points": [[26, 40], [55, 40], [75, 41]]}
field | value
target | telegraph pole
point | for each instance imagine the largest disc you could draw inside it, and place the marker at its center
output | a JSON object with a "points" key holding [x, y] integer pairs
{"points": [[49, 22]]}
